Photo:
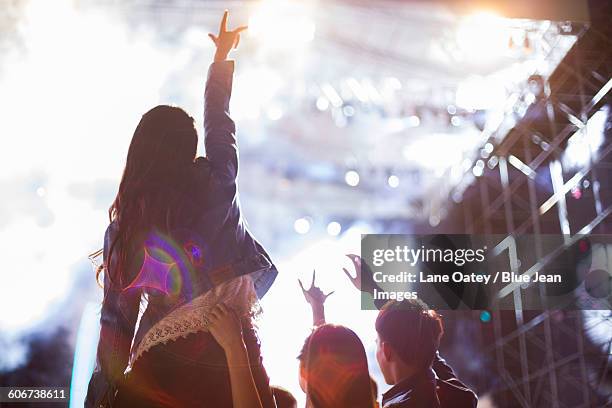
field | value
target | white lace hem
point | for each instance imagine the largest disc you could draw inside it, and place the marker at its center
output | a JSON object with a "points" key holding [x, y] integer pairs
{"points": [[239, 293]]}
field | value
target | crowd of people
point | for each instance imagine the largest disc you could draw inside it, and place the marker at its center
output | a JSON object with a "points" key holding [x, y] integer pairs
{"points": [[182, 275]]}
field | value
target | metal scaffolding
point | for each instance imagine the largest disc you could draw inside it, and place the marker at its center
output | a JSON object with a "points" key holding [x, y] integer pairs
{"points": [[546, 358]]}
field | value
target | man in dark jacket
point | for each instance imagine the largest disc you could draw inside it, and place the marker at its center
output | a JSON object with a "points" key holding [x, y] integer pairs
{"points": [[407, 352]]}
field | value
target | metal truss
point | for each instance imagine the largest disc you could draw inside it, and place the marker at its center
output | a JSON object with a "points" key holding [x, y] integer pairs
{"points": [[545, 358]]}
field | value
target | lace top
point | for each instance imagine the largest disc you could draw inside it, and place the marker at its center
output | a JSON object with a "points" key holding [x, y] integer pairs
{"points": [[238, 293]]}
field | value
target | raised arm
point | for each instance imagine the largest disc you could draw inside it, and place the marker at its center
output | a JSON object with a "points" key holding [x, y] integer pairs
{"points": [[364, 278], [316, 298], [226, 329], [219, 128]]}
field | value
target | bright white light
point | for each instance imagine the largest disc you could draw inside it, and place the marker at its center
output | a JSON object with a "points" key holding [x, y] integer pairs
{"points": [[478, 168], [322, 103], [439, 150], [516, 162], [357, 89], [56, 234], [456, 121], [348, 111], [281, 25], [334, 228], [352, 178], [302, 225], [275, 113], [414, 121], [483, 36], [479, 92], [586, 141], [332, 95], [393, 181], [84, 353], [393, 83], [254, 91]]}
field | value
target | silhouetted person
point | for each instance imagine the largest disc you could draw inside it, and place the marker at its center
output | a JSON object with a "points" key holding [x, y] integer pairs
{"points": [[407, 352], [334, 369], [177, 240]]}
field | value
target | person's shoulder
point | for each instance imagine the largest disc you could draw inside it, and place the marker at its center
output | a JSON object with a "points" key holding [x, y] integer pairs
{"points": [[455, 393]]}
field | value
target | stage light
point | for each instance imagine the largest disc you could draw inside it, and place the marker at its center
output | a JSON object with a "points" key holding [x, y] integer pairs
{"points": [[451, 109], [254, 90], [576, 192], [302, 225], [41, 191], [348, 111], [332, 95], [492, 162], [281, 25], [413, 121], [585, 143], [485, 316], [449, 149], [483, 36], [357, 89], [393, 83], [393, 181], [519, 165], [352, 178], [322, 103], [456, 121], [478, 169], [84, 353], [457, 197], [275, 113], [478, 93], [334, 228], [373, 93]]}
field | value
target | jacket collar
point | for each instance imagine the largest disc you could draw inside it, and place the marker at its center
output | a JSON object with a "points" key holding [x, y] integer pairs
{"points": [[414, 389]]}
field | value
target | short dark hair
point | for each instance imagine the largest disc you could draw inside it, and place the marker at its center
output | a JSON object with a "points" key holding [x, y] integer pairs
{"points": [[412, 330]]}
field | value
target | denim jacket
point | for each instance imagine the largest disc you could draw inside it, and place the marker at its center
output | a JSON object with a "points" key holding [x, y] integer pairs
{"points": [[214, 215]]}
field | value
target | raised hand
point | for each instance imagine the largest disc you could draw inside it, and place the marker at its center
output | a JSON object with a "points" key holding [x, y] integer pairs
{"points": [[314, 295], [226, 40], [225, 327], [363, 279], [316, 298]]}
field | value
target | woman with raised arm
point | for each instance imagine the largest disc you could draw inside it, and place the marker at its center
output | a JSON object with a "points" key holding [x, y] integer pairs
{"points": [[176, 247], [333, 363]]}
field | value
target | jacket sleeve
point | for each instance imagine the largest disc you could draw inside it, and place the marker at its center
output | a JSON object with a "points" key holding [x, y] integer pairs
{"points": [[219, 128], [442, 369], [462, 395], [117, 325]]}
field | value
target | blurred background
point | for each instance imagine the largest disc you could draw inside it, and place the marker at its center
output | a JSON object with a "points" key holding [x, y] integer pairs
{"points": [[353, 117]]}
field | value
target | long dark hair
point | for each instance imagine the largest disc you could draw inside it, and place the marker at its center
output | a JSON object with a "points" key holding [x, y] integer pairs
{"points": [[336, 369], [155, 179]]}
